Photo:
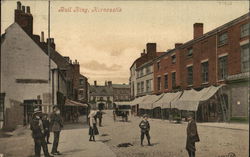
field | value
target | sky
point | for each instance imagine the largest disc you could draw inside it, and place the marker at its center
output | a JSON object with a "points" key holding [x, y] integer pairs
{"points": [[107, 43]]}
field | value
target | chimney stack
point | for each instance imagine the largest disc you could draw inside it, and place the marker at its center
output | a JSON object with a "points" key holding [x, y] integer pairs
{"points": [[42, 36], [177, 44], [23, 9], [19, 5], [109, 83], [198, 30], [24, 19], [28, 9], [151, 50], [95, 83]]}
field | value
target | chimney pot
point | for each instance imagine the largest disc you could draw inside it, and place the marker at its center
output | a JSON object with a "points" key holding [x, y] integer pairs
{"points": [[95, 83], [198, 30], [177, 44], [42, 36], [19, 5], [23, 9], [28, 9]]}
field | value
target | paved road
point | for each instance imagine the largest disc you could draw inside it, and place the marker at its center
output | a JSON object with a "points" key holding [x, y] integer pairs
{"points": [[169, 139]]}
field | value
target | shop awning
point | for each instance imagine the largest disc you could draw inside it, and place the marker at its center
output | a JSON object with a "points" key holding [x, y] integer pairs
{"points": [[190, 99], [123, 103], [69, 102], [147, 103], [138, 100], [166, 99]]}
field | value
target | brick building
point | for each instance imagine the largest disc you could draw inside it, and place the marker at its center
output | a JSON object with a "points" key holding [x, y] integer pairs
{"points": [[220, 56]]}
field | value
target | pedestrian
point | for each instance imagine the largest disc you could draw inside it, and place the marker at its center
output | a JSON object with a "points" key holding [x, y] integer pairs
{"points": [[56, 127], [92, 126], [99, 115], [46, 126], [192, 136], [37, 128], [145, 127]]}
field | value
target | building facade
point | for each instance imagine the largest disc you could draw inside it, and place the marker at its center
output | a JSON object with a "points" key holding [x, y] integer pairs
{"points": [[142, 72], [101, 96], [121, 92], [220, 56]]}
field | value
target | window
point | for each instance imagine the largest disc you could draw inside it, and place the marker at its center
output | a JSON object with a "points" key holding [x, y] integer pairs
{"points": [[173, 59], [222, 70], [81, 82], [244, 30], [204, 72], [166, 81], [142, 87], [245, 58], [138, 88], [138, 74], [173, 79], [148, 70], [222, 39], [148, 85], [158, 65], [190, 52], [108, 98], [159, 83], [190, 75], [142, 72]]}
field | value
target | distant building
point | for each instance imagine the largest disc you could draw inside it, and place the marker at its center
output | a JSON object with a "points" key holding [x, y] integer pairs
{"points": [[101, 96], [83, 89], [121, 92]]}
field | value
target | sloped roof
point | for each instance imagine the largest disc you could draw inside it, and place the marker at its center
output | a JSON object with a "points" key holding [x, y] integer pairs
{"points": [[120, 86], [101, 91]]}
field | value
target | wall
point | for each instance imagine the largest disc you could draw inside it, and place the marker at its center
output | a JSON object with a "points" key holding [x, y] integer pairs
{"points": [[22, 59]]}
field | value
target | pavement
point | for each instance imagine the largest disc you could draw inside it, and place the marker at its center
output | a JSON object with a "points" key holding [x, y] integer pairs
{"points": [[74, 142]]}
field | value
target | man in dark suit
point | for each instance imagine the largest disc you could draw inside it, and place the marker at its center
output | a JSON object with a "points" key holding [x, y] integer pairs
{"points": [[36, 126], [192, 136], [56, 127], [46, 126], [145, 127]]}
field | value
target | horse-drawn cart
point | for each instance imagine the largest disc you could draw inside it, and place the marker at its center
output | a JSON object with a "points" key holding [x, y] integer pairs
{"points": [[122, 110]]}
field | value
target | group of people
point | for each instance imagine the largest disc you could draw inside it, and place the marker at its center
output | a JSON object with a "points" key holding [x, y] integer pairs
{"points": [[92, 118], [41, 125], [192, 134]]}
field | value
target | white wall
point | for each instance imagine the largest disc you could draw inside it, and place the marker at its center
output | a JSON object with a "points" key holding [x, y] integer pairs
{"points": [[22, 58]]}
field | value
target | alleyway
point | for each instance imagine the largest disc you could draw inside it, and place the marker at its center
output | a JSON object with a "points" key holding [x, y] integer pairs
{"points": [[169, 139]]}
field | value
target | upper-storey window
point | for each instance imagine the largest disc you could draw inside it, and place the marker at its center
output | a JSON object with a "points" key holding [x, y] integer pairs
{"points": [[190, 52], [223, 39], [244, 30], [204, 72], [158, 65], [173, 59], [245, 58]]}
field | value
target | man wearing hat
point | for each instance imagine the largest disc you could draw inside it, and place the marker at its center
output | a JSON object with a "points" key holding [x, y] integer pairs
{"points": [[192, 136], [145, 127], [56, 127], [36, 126]]}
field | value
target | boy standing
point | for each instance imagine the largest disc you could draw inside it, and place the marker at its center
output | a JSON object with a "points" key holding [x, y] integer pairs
{"points": [[145, 127]]}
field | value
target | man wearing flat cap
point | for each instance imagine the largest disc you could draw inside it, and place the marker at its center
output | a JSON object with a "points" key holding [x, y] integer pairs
{"points": [[192, 135], [36, 126], [56, 127], [145, 127]]}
